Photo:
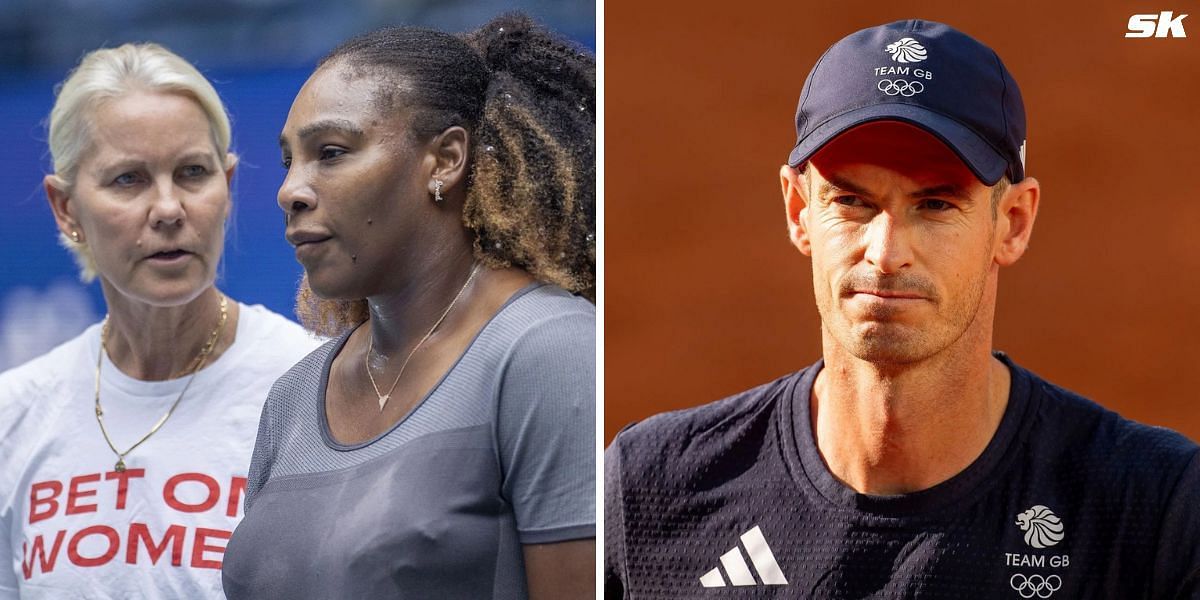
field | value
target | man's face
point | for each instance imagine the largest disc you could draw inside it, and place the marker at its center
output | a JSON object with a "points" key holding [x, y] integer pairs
{"points": [[903, 243]]}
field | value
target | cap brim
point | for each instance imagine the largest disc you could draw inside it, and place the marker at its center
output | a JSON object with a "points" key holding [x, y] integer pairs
{"points": [[984, 161]]}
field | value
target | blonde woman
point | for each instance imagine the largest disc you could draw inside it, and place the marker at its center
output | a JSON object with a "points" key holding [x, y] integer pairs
{"points": [[123, 452]]}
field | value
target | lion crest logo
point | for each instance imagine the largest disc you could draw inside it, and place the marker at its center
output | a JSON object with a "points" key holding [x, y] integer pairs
{"points": [[1042, 527], [907, 50]]}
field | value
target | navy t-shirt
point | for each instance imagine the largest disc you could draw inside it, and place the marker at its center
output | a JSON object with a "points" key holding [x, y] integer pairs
{"points": [[1068, 500]]}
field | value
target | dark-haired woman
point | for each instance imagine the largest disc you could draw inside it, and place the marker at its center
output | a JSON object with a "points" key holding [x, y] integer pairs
{"points": [[440, 195]]}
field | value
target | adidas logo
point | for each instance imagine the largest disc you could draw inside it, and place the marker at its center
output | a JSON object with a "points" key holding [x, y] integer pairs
{"points": [[756, 548]]}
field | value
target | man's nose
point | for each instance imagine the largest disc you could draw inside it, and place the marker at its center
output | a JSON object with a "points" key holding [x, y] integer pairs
{"points": [[888, 246]]}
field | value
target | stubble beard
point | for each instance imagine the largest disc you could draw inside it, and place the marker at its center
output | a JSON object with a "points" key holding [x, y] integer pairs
{"points": [[880, 337]]}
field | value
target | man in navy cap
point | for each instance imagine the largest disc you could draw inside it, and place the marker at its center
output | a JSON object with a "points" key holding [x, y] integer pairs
{"points": [[912, 460]]}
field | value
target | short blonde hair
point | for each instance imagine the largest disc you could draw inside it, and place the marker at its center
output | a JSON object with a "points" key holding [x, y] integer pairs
{"points": [[111, 73]]}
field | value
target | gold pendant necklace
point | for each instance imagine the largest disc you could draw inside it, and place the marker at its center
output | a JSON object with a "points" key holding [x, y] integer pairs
{"points": [[383, 398], [194, 367]]}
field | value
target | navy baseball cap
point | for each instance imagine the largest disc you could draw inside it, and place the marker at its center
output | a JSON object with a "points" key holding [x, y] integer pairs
{"points": [[923, 73]]}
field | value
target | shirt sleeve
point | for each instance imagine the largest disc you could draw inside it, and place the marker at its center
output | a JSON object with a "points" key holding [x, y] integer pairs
{"points": [[546, 429], [614, 524], [1177, 564]]}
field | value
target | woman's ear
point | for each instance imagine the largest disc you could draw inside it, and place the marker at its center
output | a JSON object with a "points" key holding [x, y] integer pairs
{"points": [[449, 153], [231, 163], [63, 207]]}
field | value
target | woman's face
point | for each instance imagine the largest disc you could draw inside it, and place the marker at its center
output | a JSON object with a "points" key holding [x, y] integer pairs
{"points": [[150, 198], [357, 190]]}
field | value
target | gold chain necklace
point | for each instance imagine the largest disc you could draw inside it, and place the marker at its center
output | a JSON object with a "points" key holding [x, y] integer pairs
{"points": [[383, 398], [198, 363]]}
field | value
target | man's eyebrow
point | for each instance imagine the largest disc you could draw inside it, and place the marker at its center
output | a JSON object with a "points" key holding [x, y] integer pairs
{"points": [[344, 126], [834, 183], [947, 189]]}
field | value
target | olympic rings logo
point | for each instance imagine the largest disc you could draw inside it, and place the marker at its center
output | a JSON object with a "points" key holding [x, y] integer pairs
{"points": [[1035, 585], [900, 87]]}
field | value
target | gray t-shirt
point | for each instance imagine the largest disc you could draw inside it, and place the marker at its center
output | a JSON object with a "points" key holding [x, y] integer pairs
{"points": [[499, 454]]}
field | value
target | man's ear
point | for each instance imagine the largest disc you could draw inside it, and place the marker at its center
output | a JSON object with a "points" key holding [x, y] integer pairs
{"points": [[1014, 220], [63, 207], [795, 204]]}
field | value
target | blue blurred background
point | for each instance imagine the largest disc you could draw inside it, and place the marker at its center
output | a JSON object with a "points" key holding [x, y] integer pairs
{"points": [[257, 53]]}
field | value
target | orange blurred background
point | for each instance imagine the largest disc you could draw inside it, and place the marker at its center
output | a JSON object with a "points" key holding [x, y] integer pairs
{"points": [[706, 297]]}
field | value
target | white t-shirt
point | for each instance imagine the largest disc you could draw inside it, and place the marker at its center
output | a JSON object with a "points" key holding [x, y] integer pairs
{"points": [[73, 527]]}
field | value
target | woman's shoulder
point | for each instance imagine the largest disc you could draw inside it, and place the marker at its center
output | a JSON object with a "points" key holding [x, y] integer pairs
{"points": [[55, 366], [549, 300], [263, 322], [273, 338], [34, 392], [545, 325], [546, 308], [303, 378]]}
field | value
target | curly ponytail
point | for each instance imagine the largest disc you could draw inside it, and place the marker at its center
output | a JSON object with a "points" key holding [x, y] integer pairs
{"points": [[527, 98], [532, 199]]}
